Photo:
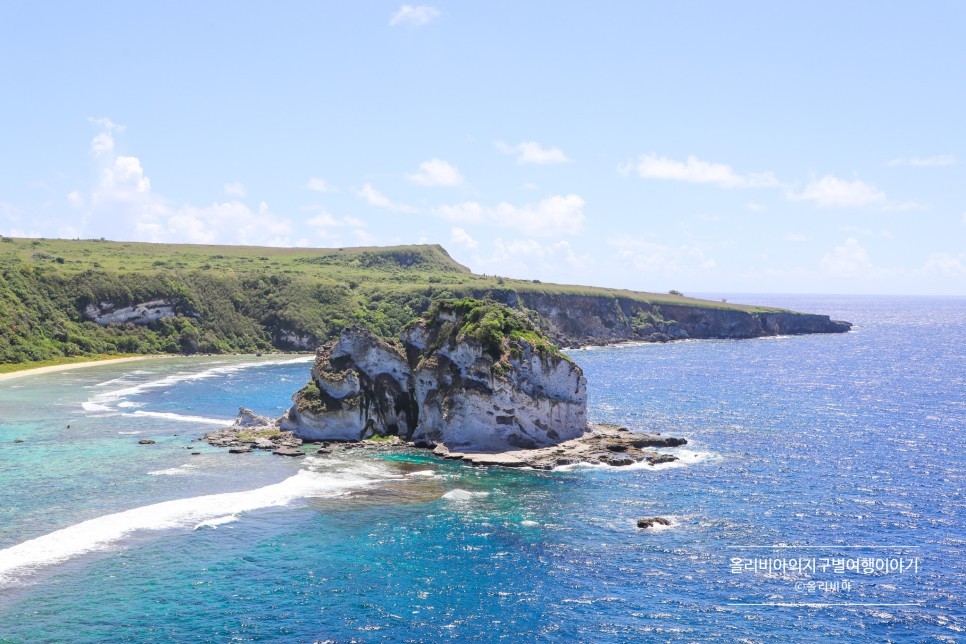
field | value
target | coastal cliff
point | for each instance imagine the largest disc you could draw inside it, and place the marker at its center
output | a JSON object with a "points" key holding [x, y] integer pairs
{"points": [[71, 298], [584, 319], [468, 374]]}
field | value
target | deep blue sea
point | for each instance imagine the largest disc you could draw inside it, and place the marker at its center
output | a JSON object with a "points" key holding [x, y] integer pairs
{"points": [[820, 497]]}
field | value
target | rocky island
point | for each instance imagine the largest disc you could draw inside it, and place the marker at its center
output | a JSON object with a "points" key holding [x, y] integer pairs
{"points": [[472, 380]]}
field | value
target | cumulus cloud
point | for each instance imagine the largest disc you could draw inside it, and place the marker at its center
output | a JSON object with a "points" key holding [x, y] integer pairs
{"points": [[413, 16], [327, 220], [832, 192], [123, 205], [557, 215], [529, 257], [235, 189], [461, 237], [375, 198], [846, 260], [925, 162], [694, 170], [650, 257], [436, 172], [531, 152], [319, 185], [946, 264]]}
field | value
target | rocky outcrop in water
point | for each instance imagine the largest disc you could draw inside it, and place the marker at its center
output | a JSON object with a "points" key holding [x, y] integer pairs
{"points": [[602, 444], [251, 431], [470, 375]]}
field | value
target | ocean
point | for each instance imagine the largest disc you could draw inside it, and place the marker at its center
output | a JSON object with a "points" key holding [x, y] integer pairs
{"points": [[819, 497]]}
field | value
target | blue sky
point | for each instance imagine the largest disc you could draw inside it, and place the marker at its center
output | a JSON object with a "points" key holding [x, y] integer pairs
{"points": [[734, 147]]}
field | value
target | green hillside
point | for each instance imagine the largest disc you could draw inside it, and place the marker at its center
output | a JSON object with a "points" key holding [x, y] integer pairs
{"points": [[232, 298]]}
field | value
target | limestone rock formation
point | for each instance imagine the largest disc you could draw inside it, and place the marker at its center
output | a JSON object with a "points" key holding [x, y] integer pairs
{"points": [[104, 313], [469, 374]]}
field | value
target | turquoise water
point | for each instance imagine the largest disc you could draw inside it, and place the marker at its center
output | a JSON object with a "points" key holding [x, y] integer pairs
{"points": [[815, 443]]}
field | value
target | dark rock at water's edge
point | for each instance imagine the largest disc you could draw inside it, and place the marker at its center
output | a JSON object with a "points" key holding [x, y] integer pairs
{"points": [[602, 444], [251, 431], [644, 524], [145, 441]]}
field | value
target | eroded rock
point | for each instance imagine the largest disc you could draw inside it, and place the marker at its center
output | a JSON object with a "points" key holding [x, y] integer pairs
{"points": [[470, 375]]}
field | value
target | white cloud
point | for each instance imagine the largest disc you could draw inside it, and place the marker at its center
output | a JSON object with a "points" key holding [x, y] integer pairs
{"points": [[235, 189], [848, 259], [414, 16], [122, 205], [327, 220], [528, 257], [754, 206], [557, 215], [946, 264], [231, 222], [925, 162], [436, 172], [694, 170], [650, 257], [319, 185], [461, 237], [531, 152], [75, 199], [832, 192], [375, 198]]}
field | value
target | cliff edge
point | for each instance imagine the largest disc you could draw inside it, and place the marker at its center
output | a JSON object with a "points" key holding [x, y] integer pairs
{"points": [[470, 375]]}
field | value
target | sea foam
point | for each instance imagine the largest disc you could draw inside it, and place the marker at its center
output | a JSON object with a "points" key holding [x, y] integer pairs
{"points": [[194, 512], [109, 401]]}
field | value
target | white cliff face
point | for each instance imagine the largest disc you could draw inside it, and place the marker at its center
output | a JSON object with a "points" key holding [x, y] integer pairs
{"points": [[453, 395], [105, 313]]}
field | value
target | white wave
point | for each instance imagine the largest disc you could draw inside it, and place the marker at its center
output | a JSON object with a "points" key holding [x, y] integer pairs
{"points": [[172, 471], [183, 418], [659, 527], [105, 531], [128, 433], [217, 521], [423, 473], [109, 400], [529, 523], [685, 458], [127, 404], [463, 495]]}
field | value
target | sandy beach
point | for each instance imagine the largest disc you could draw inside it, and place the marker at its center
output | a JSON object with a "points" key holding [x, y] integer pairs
{"points": [[68, 367]]}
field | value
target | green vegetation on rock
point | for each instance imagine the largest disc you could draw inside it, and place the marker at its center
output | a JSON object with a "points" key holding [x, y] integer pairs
{"points": [[494, 326]]}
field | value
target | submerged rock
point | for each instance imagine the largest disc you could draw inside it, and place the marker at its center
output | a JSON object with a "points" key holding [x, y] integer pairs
{"points": [[644, 524], [145, 441], [469, 375], [288, 451]]}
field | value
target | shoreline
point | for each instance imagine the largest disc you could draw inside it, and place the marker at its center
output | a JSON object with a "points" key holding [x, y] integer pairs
{"points": [[36, 371]]}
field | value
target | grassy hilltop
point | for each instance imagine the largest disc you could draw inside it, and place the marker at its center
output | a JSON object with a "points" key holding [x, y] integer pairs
{"points": [[235, 298]]}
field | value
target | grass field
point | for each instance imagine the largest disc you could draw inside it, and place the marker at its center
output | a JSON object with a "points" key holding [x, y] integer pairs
{"points": [[233, 298]]}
